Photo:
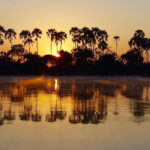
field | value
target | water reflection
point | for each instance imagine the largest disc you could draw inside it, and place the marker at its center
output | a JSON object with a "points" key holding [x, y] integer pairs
{"points": [[75, 101]]}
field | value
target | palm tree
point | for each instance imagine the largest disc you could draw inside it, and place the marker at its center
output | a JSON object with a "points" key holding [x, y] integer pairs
{"points": [[62, 36], [57, 38], [50, 34], [100, 38], [2, 32], [25, 34], [95, 32], [116, 38], [75, 32], [36, 33], [146, 47], [85, 36], [137, 40], [10, 34], [30, 42]]}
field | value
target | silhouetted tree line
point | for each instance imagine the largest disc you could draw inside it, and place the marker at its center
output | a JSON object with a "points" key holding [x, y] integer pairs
{"points": [[90, 55]]}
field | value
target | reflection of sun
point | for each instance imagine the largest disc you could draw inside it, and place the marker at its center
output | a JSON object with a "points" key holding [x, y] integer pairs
{"points": [[56, 84]]}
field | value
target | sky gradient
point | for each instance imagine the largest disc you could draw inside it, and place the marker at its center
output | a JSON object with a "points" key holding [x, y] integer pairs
{"points": [[117, 17]]}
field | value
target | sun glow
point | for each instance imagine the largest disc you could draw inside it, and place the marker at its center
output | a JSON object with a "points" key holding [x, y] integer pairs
{"points": [[57, 55]]}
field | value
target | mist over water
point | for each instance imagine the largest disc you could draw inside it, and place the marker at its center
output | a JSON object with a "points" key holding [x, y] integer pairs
{"points": [[110, 113]]}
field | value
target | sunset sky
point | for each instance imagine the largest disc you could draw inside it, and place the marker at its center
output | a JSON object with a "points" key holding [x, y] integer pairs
{"points": [[117, 17]]}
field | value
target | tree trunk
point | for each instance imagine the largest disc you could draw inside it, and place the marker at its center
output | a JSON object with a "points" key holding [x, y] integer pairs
{"points": [[116, 46], [147, 56], [61, 45], [29, 48], [11, 43], [37, 46], [51, 47]]}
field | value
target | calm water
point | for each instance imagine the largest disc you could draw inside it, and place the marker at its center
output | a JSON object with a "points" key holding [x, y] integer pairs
{"points": [[75, 113]]}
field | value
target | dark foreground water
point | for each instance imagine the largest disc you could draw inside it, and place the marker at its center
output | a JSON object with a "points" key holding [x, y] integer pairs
{"points": [[75, 113]]}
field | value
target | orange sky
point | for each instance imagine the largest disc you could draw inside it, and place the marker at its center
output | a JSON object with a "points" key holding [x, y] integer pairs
{"points": [[117, 17]]}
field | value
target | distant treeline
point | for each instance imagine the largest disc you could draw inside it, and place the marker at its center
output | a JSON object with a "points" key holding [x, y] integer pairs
{"points": [[90, 55]]}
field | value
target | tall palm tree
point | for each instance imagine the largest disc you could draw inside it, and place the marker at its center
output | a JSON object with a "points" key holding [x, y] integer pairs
{"points": [[57, 38], [136, 40], [85, 36], [10, 34], [50, 34], [24, 35], [37, 34], [95, 31], [100, 38], [2, 32], [116, 38], [30, 42], [62, 37], [75, 32]]}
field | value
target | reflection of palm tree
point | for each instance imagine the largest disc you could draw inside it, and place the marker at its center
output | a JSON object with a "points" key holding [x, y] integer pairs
{"points": [[36, 117], [76, 116], [37, 34], [50, 117], [116, 38], [26, 113], [9, 114], [10, 34], [50, 34], [1, 111], [116, 107], [60, 114]]}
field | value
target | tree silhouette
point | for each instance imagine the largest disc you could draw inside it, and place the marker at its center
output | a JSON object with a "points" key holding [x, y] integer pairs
{"points": [[37, 34], [85, 37], [10, 34], [2, 32], [16, 51], [63, 36], [26, 36], [50, 34], [75, 32], [30, 42], [95, 32], [139, 41], [82, 56], [57, 39], [116, 38], [146, 46], [133, 57]]}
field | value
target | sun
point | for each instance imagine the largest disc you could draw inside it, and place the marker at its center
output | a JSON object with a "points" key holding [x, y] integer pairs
{"points": [[57, 55]]}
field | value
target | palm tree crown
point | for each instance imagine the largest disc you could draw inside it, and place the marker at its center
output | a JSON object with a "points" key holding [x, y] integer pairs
{"points": [[10, 34], [37, 34], [25, 34], [116, 38], [2, 32], [50, 34], [62, 37]]}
